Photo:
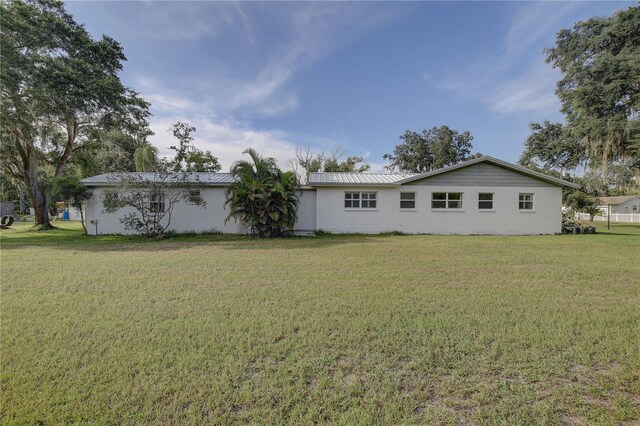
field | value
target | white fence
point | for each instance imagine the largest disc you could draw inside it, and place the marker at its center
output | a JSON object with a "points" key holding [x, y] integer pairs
{"points": [[615, 217]]}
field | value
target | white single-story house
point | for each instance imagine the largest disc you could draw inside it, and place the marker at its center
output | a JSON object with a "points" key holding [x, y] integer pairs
{"points": [[621, 204], [480, 196]]}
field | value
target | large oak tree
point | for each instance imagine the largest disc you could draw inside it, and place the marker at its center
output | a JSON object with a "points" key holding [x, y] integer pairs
{"points": [[432, 149], [58, 86], [553, 145], [600, 91]]}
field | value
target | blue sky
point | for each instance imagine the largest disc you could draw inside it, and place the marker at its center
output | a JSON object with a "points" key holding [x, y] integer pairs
{"points": [[333, 75]]}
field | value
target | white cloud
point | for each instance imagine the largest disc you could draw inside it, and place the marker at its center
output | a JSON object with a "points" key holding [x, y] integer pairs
{"points": [[377, 167], [308, 33], [535, 21], [170, 103], [225, 138], [314, 31], [531, 92], [185, 21]]}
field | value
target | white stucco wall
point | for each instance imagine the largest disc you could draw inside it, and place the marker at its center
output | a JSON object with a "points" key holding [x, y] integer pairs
{"points": [[506, 219], [306, 211], [186, 217], [323, 208], [191, 218]]}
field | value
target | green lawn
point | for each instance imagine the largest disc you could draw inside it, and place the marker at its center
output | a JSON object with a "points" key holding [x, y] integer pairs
{"points": [[339, 329]]}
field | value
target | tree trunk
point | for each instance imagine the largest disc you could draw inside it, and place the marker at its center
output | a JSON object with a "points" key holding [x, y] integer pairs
{"points": [[39, 199], [21, 197], [40, 203], [82, 219]]}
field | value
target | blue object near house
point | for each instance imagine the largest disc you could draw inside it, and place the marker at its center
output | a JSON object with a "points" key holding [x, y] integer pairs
{"points": [[65, 215]]}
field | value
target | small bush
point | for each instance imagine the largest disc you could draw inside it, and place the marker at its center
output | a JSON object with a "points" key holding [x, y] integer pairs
{"points": [[392, 233], [570, 226]]}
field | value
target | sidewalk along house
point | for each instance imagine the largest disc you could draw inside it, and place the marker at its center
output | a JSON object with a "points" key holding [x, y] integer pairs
{"points": [[481, 196]]}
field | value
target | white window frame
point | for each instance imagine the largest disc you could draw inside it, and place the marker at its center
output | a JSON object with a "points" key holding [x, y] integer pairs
{"points": [[492, 201], [446, 200], [158, 199], [193, 193], [361, 200], [532, 201], [110, 196], [415, 200]]}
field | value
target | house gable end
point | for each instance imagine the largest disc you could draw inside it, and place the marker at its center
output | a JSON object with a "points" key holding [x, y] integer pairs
{"points": [[481, 174]]}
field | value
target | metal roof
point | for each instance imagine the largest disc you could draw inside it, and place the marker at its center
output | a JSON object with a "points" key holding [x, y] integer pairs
{"points": [[395, 179], [204, 178], [337, 178]]}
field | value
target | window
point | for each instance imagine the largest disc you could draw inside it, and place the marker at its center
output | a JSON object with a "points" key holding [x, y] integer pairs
{"points": [[360, 200], [407, 200], [156, 202], [485, 201], [525, 202], [368, 200], [110, 197], [351, 200], [446, 200], [194, 196]]}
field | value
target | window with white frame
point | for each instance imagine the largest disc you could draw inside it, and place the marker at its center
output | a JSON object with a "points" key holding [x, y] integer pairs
{"points": [[525, 201], [156, 202], [407, 200], [360, 200], [110, 197], [446, 200], [485, 201], [194, 196]]}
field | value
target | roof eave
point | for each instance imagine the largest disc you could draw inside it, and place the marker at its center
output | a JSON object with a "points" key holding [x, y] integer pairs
{"points": [[116, 183], [342, 184]]}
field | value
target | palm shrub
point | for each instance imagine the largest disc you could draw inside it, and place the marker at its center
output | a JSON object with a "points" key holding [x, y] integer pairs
{"points": [[592, 210], [145, 158], [262, 197]]}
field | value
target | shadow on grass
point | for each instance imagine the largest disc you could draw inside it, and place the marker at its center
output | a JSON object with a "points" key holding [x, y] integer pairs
{"points": [[623, 234], [74, 240], [71, 237], [626, 229]]}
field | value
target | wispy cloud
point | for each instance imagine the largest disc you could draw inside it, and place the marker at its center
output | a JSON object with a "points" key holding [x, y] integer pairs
{"points": [[536, 21], [177, 22], [226, 138], [507, 82], [314, 32], [222, 105], [530, 92]]}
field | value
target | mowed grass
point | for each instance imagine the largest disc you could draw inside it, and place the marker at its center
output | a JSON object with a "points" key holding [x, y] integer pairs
{"points": [[333, 329]]}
